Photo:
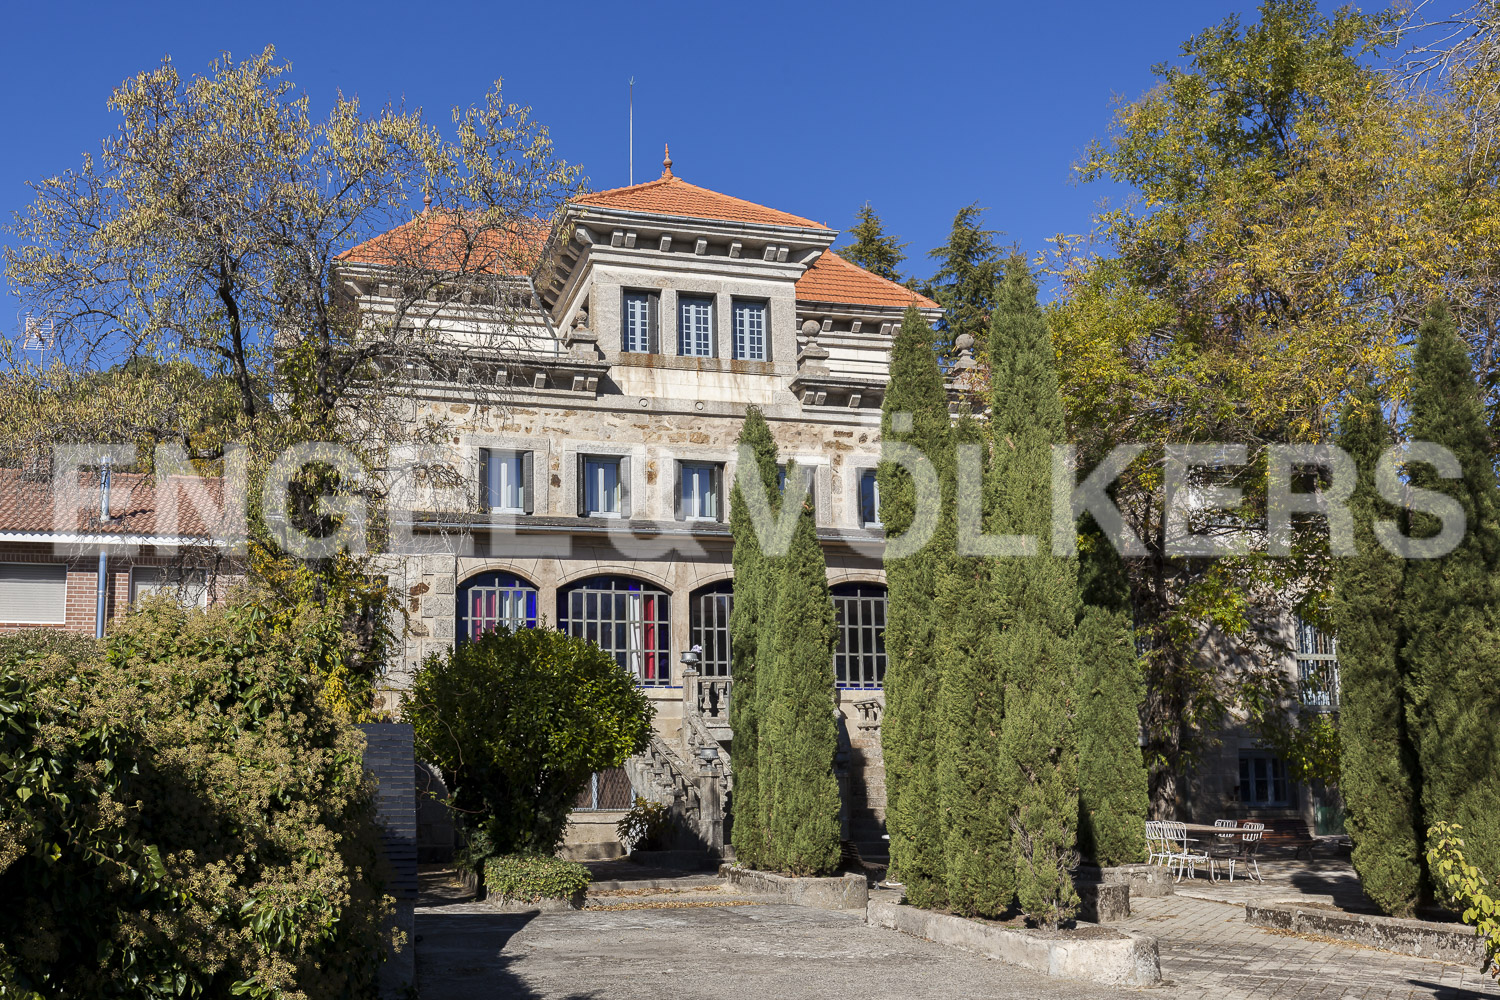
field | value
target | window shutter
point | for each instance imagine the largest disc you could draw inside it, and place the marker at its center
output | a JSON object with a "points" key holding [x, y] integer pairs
{"points": [[34, 593], [653, 324], [527, 478], [716, 479], [677, 494], [486, 501], [583, 487], [625, 486], [810, 476]]}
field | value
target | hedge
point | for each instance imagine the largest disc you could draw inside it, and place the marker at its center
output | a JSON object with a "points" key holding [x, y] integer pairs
{"points": [[184, 815], [530, 878]]}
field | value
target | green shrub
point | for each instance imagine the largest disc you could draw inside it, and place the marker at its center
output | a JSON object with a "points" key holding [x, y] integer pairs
{"points": [[184, 815], [648, 826], [518, 721], [530, 878], [1461, 884]]}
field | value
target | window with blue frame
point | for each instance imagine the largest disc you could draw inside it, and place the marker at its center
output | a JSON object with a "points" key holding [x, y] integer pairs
{"points": [[627, 618], [749, 331], [695, 326], [638, 327], [869, 499], [491, 600], [859, 659]]}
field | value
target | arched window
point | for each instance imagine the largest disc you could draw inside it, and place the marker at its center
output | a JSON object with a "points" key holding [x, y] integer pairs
{"points": [[710, 607], [859, 659], [626, 618], [490, 600]]}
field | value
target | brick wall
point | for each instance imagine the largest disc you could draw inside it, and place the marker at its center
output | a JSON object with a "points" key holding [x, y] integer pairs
{"points": [[83, 574]]}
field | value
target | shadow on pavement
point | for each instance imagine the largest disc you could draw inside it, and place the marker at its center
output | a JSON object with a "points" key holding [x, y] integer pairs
{"points": [[461, 956]]}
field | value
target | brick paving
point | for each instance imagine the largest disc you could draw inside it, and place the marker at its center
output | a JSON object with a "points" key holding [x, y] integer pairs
{"points": [[1209, 952], [637, 940]]}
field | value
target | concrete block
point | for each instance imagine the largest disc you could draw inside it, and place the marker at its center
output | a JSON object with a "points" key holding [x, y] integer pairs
{"points": [[1419, 938], [1104, 902], [843, 892], [1117, 958], [1145, 881]]}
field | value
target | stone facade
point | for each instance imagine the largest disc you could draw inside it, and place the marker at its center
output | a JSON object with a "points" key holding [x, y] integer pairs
{"points": [[565, 387]]}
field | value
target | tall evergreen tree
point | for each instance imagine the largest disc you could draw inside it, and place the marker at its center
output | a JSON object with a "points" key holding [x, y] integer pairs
{"points": [[1377, 764], [970, 265], [798, 731], [909, 728], [1036, 601], [873, 249], [752, 569], [1112, 783], [1451, 645], [974, 803]]}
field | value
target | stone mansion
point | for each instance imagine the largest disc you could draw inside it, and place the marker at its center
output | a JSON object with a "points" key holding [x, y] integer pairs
{"points": [[598, 479]]}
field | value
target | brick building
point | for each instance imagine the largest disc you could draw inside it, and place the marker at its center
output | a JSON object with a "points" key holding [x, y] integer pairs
{"points": [[160, 536]]}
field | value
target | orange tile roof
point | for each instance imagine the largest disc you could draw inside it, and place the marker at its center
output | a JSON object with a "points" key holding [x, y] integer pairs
{"points": [[831, 278], [27, 505], [670, 195], [451, 242]]}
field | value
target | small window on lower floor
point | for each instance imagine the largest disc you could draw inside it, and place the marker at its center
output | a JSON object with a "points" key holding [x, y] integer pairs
{"points": [[189, 587], [1263, 779], [33, 593]]}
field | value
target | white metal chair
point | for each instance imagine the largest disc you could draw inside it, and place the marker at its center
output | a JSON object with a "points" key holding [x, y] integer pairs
{"points": [[1250, 840], [1181, 856], [1223, 848], [1156, 846]]}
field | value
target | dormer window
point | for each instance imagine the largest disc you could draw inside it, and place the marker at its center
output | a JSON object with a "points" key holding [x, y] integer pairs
{"points": [[749, 330], [695, 326], [638, 327]]}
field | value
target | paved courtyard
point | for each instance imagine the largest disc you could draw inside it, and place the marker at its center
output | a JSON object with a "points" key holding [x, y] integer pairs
{"points": [[1208, 951], [680, 941]]}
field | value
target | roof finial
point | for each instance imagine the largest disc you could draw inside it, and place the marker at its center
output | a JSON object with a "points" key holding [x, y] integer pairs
{"points": [[427, 196], [666, 163]]}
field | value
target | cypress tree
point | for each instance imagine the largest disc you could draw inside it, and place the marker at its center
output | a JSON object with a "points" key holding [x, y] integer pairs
{"points": [[873, 249], [1036, 602], [1451, 645], [909, 729], [798, 732], [1112, 782], [975, 805], [1377, 764], [751, 570]]}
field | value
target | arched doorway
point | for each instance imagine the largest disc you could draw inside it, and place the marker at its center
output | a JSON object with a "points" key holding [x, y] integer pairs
{"points": [[859, 658], [490, 600], [625, 617]]}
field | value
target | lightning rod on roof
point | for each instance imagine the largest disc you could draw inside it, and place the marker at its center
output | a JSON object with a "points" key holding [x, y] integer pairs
{"points": [[632, 131]]}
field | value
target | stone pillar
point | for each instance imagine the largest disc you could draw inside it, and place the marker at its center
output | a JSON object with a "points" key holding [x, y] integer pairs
{"points": [[389, 756]]}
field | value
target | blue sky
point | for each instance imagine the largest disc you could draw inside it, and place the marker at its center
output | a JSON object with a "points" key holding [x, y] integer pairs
{"points": [[809, 107]]}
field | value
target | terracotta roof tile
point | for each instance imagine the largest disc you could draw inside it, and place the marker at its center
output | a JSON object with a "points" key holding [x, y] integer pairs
{"points": [[831, 278], [27, 505], [449, 242], [669, 195]]}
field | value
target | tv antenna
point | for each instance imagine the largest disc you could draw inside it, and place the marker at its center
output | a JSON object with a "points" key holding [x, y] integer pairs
{"points": [[632, 131], [40, 336]]}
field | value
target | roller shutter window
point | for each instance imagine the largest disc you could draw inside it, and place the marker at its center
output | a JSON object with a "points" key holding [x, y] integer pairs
{"points": [[34, 593]]}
